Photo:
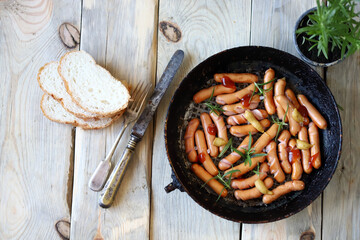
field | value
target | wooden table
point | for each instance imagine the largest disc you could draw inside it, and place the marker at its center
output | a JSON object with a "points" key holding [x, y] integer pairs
{"points": [[45, 166]]}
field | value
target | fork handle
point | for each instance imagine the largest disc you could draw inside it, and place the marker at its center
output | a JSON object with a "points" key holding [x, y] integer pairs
{"points": [[117, 175]]}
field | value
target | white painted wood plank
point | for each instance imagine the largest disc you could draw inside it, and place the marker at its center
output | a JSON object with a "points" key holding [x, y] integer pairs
{"points": [[121, 35], [35, 153], [273, 25], [341, 207], [207, 27]]}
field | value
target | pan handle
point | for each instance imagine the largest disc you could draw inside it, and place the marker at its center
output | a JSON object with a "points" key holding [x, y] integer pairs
{"points": [[175, 184]]}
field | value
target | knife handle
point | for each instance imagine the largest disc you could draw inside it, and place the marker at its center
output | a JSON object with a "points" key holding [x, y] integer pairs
{"points": [[115, 179]]}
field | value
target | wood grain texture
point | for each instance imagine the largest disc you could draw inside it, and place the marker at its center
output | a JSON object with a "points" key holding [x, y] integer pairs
{"points": [[35, 153], [121, 35], [341, 207], [280, 18], [207, 27]]}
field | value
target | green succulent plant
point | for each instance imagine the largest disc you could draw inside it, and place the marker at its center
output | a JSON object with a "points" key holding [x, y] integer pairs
{"points": [[334, 24]]}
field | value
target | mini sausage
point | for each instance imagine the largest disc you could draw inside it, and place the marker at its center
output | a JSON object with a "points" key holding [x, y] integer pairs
{"points": [[221, 127], [314, 114], [273, 160], [294, 125], [206, 122], [245, 168], [305, 154], [238, 119], [204, 157], [315, 149], [205, 176], [243, 130], [281, 190], [250, 181], [204, 94], [265, 138], [233, 157], [292, 98], [279, 89], [239, 108], [236, 96], [253, 192], [237, 77], [269, 97], [189, 139], [283, 154], [297, 169]]}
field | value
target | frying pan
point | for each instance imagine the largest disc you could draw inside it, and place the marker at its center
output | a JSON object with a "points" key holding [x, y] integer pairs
{"points": [[301, 79]]}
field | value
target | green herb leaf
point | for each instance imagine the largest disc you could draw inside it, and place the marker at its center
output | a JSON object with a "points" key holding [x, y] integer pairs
{"points": [[257, 169], [226, 147]]}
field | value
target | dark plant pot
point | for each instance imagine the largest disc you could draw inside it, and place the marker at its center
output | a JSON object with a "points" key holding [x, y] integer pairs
{"points": [[302, 47]]}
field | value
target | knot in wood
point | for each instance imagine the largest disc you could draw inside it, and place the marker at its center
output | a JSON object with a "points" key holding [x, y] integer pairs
{"points": [[63, 229], [69, 35], [170, 30], [308, 235]]}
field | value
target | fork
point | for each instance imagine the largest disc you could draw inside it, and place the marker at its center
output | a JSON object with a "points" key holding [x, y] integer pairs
{"points": [[98, 179]]}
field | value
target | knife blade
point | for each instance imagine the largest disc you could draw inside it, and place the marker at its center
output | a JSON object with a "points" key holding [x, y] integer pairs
{"points": [[138, 130]]}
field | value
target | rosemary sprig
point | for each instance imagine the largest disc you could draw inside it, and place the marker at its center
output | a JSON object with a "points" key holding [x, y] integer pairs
{"points": [[281, 123], [249, 153], [226, 147], [213, 107], [261, 90], [257, 171]]}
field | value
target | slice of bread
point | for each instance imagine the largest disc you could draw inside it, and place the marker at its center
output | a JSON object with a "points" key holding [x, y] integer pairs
{"points": [[91, 86], [54, 111], [51, 83]]}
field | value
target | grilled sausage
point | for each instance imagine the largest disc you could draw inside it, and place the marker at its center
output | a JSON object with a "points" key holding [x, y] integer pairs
{"points": [[245, 168], [295, 161], [204, 94], [279, 89], [315, 149], [265, 138], [205, 177], [233, 157], [283, 154], [206, 122], [243, 130], [273, 160], [253, 192], [189, 139], [238, 119], [204, 157], [236, 96], [314, 114], [237, 77], [239, 108], [294, 125], [305, 154], [292, 98], [221, 127], [269, 97], [283, 189], [249, 182]]}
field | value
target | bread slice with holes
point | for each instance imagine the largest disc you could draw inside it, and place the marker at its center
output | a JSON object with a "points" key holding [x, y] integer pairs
{"points": [[51, 83], [91, 86], [54, 111]]}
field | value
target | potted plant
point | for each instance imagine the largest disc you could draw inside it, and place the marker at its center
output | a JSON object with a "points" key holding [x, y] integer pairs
{"points": [[324, 35]]}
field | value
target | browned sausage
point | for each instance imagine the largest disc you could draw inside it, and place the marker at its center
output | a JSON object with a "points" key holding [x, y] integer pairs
{"points": [[243, 130], [253, 192], [269, 97], [237, 77], [314, 114], [221, 127], [291, 96], [265, 138], [239, 108], [249, 182], [245, 168], [283, 154], [315, 149], [233, 157], [284, 189], [305, 154], [295, 160], [294, 125], [236, 96], [205, 176], [189, 139], [206, 122], [279, 89], [238, 119], [273, 160], [204, 94], [204, 157]]}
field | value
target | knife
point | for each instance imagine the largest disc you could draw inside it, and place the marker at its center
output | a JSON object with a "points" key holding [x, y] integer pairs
{"points": [[138, 130]]}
